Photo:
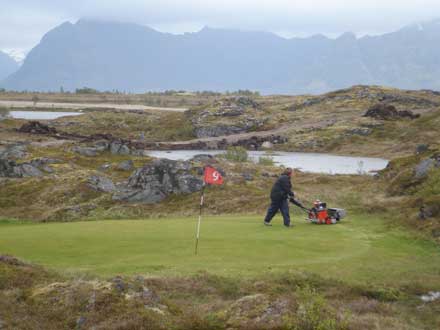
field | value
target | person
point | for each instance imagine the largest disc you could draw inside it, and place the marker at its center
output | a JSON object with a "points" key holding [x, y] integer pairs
{"points": [[279, 195]]}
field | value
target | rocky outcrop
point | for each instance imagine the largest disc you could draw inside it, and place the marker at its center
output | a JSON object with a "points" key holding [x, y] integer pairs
{"points": [[233, 115], [101, 183], [35, 127], [385, 111], [86, 151], [36, 167], [218, 130], [13, 151], [157, 180], [10, 169]]}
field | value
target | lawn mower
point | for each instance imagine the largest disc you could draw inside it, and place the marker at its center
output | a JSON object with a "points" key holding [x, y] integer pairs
{"points": [[320, 214]]}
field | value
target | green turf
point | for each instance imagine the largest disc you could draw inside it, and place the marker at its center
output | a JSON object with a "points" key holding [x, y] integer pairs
{"points": [[359, 249]]}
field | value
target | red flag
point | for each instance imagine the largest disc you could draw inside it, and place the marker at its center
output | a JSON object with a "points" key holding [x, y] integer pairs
{"points": [[212, 176]]}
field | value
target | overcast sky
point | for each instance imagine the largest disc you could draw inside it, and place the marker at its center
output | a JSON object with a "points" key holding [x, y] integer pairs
{"points": [[24, 22]]}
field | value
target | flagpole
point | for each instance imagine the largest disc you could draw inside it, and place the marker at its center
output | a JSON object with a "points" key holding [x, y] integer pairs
{"points": [[202, 198]]}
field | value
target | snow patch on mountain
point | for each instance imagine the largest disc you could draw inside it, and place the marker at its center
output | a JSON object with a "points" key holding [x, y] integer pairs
{"points": [[18, 55]]}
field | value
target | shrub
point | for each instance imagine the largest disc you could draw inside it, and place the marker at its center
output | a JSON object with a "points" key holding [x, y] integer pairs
{"points": [[315, 313], [86, 90], [266, 161], [236, 154]]}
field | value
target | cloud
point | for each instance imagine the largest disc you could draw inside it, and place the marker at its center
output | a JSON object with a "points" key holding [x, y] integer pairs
{"points": [[22, 23]]}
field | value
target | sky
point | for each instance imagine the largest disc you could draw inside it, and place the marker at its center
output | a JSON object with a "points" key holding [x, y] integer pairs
{"points": [[24, 22]]}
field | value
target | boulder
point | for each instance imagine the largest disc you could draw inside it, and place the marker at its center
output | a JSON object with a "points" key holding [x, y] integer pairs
{"points": [[362, 131], [104, 167], [26, 170], [11, 169], [43, 163], [385, 111], [126, 165], [422, 169], [421, 148], [101, 183], [86, 151], [15, 151], [7, 168], [119, 148], [157, 180], [267, 145], [35, 127]]}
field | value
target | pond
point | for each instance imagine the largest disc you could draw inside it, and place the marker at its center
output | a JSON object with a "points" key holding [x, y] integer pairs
{"points": [[307, 162], [41, 115]]}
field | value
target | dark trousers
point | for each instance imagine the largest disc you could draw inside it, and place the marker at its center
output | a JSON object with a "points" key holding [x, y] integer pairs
{"points": [[281, 205]]}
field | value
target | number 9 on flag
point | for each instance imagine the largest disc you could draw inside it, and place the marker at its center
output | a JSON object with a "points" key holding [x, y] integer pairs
{"points": [[212, 176]]}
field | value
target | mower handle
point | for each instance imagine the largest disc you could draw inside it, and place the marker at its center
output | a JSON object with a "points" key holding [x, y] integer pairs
{"points": [[298, 203]]}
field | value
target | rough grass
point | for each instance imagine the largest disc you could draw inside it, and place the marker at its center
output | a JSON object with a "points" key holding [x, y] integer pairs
{"points": [[154, 125], [32, 297]]}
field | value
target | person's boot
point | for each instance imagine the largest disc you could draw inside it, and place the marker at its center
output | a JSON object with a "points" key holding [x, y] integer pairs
{"points": [[267, 224], [290, 225]]}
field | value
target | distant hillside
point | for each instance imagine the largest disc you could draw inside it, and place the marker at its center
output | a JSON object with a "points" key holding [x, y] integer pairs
{"points": [[131, 57], [7, 65]]}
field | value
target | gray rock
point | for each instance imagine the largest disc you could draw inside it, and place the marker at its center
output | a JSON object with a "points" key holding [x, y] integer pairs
{"points": [[104, 167], [100, 183], [421, 148], [267, 145], [26, 170], [248, 176], [422, 169], [218, 130], [363, 131], [229, 111], [102, 146], [126, 165], [7, 168], [157, 180], [202, 158], [86, 151], [11, 169], [118, 148], [17, 151]]}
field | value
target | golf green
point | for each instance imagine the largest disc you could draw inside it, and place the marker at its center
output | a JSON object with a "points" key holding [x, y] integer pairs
{"points": [[358, 249]]}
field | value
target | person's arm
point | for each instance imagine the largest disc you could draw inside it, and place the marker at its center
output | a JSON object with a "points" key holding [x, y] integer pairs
{"points": [[286, 186]]}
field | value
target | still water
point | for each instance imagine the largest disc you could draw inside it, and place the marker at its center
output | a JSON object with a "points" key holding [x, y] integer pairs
{"points": [[41, 115], [306, 162]]}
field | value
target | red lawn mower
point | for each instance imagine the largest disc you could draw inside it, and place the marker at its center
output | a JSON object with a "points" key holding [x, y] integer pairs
{"points": [[320, 214]]}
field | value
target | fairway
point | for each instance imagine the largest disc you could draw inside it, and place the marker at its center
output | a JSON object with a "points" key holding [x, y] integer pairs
{"points": [[357, 250]]}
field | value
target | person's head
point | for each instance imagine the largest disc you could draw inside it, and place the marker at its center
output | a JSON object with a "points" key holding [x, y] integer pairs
{"points": [[288, 171]]}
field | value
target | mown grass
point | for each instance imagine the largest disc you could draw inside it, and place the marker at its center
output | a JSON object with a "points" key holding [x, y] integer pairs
{"points": [[355, 251]]}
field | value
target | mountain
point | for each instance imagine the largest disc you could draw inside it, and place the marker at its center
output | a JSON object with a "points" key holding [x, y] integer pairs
{"points": [[130, 57], [7, 65]]}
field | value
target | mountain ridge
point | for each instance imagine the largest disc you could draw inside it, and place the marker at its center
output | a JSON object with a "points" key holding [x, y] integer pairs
{"points": [[135, 58]]}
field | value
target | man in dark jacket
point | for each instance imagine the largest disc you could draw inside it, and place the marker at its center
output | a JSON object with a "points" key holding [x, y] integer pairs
{"points": [[281, 191]]}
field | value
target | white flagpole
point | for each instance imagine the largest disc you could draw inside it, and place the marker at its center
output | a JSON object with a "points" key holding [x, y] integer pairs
{"points": [[202, 198]]}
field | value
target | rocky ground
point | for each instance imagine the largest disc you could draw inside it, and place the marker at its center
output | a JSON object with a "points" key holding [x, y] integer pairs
{"points": [[97, 162]]}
